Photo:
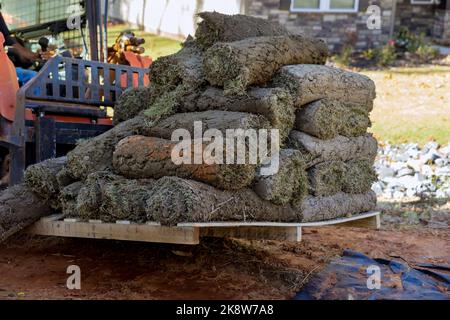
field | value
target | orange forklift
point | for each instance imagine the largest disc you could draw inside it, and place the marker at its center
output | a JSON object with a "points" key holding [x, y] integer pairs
{"points": [[71, 97]]}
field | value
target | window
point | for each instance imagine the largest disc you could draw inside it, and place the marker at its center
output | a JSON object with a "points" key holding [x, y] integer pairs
{"points": [[324, 5]]}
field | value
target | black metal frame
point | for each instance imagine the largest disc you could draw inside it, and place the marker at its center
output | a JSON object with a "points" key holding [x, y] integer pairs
{"points": [[70, 87], [92, 16]]}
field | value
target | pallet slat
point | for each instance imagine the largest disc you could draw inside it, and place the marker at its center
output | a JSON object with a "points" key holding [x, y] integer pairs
{"points": [[190, 233], [131, 232]]}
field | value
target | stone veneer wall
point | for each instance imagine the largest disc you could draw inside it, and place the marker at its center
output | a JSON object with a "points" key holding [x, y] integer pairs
{"points": [[418, 18], [441, 30], [339, 29]]}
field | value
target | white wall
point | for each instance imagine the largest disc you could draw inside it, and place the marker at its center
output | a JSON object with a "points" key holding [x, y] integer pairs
{"points": [[168, 17]]}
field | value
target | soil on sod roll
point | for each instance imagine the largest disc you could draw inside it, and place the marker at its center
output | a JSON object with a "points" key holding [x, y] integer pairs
{"points": [[95, 154], [183, 67], [325, 119], [308, 82], [175, 200], [150, 157], [338, 205], [132, 102], [64, 178], [275, 104], [359, 176], [20, 207], [237, 54], [253, 61], [41, 179], [217, 27], [68, 198], [326, 178], [111, 197], [212, 119], [172, 77], [340, 148], [289, 184], [330, 177]]}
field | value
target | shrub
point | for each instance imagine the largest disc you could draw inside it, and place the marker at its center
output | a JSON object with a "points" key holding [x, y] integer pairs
{"points": [[370, 54], [408, 41], [426, 53], [343, 58], [386, 54]]}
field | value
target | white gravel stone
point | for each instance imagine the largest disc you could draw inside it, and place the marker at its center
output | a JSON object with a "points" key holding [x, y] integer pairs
{"points": [[407, 170]]}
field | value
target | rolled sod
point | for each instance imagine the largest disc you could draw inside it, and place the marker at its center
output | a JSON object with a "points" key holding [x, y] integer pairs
{"points": [[289, 184], [175, 200], [132, 102], [359, 176], [326, 178], [326, 119], [309, 82], [339, 148], [275, 104], [41, 178], [211, 119], [183, 67], [330, 177], [218, 27], [19, 208], [68, 198], [110, 197], [253, 61], [95, 154], [337, 206], [150, 157]]}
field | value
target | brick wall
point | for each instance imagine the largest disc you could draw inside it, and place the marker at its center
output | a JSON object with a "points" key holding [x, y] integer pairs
{"points": [[441, 30], [339, 29]]}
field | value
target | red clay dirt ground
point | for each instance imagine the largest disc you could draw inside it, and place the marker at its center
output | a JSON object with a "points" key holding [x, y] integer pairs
{"points": [[35, 267]]}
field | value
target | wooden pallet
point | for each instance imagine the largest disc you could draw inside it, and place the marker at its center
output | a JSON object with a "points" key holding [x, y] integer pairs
{"points": [[189, 233]]}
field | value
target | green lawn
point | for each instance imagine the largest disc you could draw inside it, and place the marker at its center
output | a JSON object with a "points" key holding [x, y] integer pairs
{"points": [[155, 46], [412, 104]]}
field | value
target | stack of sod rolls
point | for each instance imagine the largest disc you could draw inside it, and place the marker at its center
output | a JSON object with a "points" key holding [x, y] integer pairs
{"points": [[242, 73]]}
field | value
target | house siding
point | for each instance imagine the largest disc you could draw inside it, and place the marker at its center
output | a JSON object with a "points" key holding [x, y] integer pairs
{"points": [[340, 29]]}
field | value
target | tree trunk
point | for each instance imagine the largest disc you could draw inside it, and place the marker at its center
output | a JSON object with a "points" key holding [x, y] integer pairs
{"points": [[325, 119], [253, 61], [339, 148], [149, 157], [19, 208], [308, 83]]}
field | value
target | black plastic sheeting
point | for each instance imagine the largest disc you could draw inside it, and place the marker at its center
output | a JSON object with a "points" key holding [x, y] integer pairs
{"points": [[347, 278]]}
